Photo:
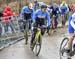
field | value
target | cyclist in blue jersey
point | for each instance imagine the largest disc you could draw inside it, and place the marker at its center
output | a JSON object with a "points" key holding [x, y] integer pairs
{"points": [[27, 13], [54, 15], [63, 11], [39, 18], [71, 29]]}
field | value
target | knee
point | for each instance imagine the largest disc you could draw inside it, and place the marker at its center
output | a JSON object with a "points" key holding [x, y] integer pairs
{"points": [[71, 38]]}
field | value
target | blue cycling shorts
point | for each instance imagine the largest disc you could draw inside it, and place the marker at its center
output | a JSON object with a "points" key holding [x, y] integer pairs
{"points": [[71, 30]]}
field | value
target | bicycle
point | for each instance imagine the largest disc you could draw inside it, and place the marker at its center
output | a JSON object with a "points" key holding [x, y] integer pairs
{"points": [[62, 48], [36, 45]]}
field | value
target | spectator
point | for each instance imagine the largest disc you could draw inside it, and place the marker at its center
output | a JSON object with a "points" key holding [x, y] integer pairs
{"points": [[7, 19]]}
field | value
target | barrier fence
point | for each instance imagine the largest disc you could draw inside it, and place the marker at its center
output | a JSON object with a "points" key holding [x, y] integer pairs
{"points": [[10, 24]]}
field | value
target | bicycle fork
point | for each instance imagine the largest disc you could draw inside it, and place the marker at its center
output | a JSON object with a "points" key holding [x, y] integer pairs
{"points": [[36, 37]]}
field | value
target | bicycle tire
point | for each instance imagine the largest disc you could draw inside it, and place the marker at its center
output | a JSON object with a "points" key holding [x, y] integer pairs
{"points": [[60, 50], [35, 45], [40, 45]]}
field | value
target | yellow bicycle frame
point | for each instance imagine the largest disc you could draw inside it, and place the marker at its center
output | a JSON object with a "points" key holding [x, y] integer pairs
{"points": [[37, 35]]}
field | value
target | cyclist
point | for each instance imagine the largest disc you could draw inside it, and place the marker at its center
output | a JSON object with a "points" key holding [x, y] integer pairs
{"points": [[27, 13], [54, 13], [71, 28], [63, 10], [39, 18], [36, 5]]}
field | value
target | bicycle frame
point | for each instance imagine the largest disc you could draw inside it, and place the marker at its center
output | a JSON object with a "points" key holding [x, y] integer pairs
{"points": [[37, 36]]}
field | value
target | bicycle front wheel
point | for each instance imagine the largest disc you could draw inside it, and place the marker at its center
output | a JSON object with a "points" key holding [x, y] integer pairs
{"points": [[37, 46], [62, 47]]}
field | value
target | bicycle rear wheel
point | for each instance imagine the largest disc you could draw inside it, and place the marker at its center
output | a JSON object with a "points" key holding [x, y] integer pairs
{"points": [[62, 47], [37, 46]]}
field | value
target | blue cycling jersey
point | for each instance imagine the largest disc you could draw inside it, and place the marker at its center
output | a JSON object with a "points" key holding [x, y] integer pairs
{"points": [[63, 9], [41, 14], [71, 24], [26, 10], [54, 10]]}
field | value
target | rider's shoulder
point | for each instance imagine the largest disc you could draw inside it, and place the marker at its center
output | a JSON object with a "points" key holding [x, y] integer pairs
{"points": [[24, 7]]}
